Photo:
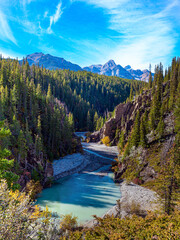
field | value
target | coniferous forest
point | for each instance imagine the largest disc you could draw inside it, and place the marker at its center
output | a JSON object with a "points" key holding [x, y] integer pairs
{"points": [[41, 109]]}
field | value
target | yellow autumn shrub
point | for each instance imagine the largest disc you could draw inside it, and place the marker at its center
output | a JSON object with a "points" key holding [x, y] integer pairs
{"points": [[106, 140], [21, 219]]}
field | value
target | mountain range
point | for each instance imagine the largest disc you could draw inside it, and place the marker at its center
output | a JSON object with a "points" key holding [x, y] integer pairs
{"points": [[109, 69]]}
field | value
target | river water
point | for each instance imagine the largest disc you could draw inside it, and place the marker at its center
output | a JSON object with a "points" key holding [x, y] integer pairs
{"points": [[83, 195]]}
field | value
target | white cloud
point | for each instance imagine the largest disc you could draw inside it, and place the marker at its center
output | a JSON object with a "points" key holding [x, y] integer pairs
{"points": [[54, 18], [5, 30], [144, 30], [25, 2], [45, 14], [10, 54]]}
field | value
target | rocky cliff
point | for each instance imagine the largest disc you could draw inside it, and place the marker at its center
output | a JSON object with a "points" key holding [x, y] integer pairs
{"points": [[123, 119], [158, 147]]}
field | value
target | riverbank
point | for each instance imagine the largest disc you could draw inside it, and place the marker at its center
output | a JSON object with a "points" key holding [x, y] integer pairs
{"points": [[94, 157], [134, 199]]}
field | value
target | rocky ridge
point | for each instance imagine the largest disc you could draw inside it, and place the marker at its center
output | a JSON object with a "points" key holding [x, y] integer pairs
{"points": [[109, 69]]}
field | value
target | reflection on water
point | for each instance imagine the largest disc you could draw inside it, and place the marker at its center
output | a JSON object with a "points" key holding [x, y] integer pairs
{"points": [[83, 195]]}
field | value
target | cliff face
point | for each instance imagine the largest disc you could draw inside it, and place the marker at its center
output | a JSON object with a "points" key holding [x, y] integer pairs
{"points": [[123, 120], [146, 159]]}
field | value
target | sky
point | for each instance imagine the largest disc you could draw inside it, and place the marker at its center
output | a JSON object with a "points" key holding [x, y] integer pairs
{"points": [[86, 32]]}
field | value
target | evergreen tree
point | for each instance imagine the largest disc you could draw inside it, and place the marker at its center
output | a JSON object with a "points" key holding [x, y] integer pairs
{"points": [[131, 94], [122, 141], [143, 140], [22, 147], [150, 80], [5, 164], [95, 121], [160, 128], [135, 138]]}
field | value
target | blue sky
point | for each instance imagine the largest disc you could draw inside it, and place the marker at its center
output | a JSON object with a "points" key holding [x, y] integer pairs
{"points": [[136, 32]]}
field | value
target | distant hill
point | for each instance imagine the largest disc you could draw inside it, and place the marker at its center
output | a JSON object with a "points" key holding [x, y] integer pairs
{"points": [[109, 69]]}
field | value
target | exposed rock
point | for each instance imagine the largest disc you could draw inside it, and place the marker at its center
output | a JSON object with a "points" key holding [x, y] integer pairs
{"points": [[111, 69], [148, 174], [126, 112], [49, 170]]}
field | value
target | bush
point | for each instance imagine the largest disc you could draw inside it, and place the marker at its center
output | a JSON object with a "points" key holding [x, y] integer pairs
{"points": [[106, 140], [68, 222], [159, 227], [33, 188], [21, 219], [133, 208]]}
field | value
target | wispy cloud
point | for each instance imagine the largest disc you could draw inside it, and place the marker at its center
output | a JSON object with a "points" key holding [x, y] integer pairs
{"points": [[5, 30], [45, 14], [55, 17], [25, 2], [144, 28]]}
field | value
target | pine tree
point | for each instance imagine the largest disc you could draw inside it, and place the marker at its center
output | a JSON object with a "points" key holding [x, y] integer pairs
{"points": [[49, 94], [95, 121], [160, 127], [135, 138], [150, 80], [71, 122], [122, 141], [5, 164], [89, 122], [131, 93], [22, 147], [143, 140]]}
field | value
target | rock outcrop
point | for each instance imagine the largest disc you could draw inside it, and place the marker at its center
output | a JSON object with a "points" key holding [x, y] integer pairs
{"points": [[123, 120]]}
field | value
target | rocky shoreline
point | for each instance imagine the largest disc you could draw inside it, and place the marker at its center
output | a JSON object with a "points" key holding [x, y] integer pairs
{"points": [[134, 199], [89, 161]]}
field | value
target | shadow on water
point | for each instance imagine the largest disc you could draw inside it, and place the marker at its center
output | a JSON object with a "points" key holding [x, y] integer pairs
{"points": [[81, 189], [83, 194]]}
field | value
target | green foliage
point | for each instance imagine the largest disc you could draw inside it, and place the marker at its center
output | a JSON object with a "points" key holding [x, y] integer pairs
{"points": [[68, 222], [160, 128], [121, 141], [135, 137], [6, 165], [150, 80], [40, 125], [160, 227], [21, 219], [143, 139]]}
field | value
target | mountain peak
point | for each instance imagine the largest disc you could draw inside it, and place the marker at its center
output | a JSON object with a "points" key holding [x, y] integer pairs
{"points": [[111, 63], [51, 62]]}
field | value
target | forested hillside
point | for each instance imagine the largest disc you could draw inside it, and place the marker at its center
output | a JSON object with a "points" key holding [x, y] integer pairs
{"points": [[147, 132], [39, 127], [37, 106], [85, 94]]}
